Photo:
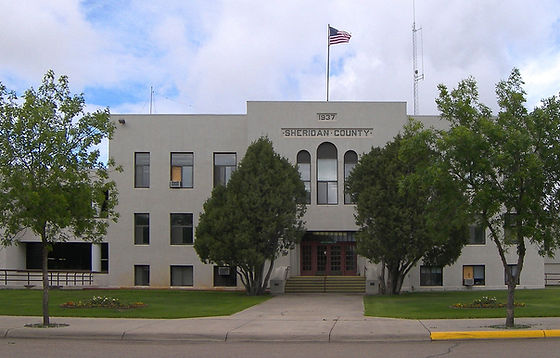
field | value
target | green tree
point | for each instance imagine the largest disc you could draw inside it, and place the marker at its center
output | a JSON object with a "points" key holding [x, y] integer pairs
{"points": [[509, 167], [255, 218], [51, 179], [405, 214]]}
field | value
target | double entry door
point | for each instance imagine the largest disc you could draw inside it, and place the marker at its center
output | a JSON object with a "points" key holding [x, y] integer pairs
{"points": [[328, 259]]}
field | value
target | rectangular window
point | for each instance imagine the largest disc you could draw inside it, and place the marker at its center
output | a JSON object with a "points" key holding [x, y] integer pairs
{"points": [[510, 223], [224, 165], [141, 275], [431, 276], [327, 192], [181, 229], [477, 235], [225, 276], [181, 275], [105, 257], [513, 268], [181, 170], [141, 170], [474, 275], [142, 229], [304, 170]]}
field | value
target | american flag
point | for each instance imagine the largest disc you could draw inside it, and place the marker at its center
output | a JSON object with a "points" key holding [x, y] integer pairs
{"points": [[337, 36]]}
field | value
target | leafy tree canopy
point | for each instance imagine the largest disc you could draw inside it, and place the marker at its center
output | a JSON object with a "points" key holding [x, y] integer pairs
{"points": [[405, 213], [508, 165], [51, 179], [255, 218]]}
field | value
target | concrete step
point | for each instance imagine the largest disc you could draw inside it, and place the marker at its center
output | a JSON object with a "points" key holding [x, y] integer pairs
{"points": [[325, 284]]}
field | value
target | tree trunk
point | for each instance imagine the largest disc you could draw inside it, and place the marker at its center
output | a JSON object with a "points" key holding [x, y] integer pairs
{"points": [[267, 277], [45, 268], [382, 284], [510, 322], [392, 281]]}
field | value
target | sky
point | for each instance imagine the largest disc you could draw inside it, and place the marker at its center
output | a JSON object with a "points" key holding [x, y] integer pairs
{"points": [[212, 56]]}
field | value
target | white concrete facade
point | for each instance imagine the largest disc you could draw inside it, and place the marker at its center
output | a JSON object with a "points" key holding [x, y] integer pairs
{"points": [[292, 127]]}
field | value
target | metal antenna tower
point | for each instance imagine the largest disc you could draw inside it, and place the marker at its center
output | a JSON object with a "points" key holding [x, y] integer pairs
{"points": [[418, 72]]}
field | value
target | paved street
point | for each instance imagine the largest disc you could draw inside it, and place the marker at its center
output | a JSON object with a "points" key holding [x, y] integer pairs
{"points": [[19, 348]]}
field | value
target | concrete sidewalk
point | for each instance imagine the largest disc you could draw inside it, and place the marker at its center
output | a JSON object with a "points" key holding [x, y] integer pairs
{"points": [[288, 318]]}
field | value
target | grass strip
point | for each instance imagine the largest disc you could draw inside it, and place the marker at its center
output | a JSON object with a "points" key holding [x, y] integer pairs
{"points": [[438, 305], [158, 303]]}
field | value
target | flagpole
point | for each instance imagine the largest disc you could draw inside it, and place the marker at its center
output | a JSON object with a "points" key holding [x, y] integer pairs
{"points": [[328, 58]]}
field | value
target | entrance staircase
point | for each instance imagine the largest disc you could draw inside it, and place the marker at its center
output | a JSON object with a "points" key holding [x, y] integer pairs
{"points": [[326, 284]]}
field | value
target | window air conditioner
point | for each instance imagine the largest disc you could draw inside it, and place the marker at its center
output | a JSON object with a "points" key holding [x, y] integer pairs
{"points": [[223, 271], [174, 184], [469, 281]]}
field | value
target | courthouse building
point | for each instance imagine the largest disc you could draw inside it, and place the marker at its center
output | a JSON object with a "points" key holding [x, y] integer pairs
{"points": [[172, 162]]}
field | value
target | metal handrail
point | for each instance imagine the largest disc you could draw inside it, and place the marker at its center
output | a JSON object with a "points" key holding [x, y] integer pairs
{"points": [[552, 279], [55, 277], [286, 271]]}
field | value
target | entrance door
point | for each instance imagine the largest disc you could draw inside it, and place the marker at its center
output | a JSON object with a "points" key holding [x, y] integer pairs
{"points": [[321, 259]]}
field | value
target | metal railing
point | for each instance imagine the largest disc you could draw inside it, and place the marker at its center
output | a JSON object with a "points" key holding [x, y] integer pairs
{"points": [[552, 279], [287, 272], [58, 278]]}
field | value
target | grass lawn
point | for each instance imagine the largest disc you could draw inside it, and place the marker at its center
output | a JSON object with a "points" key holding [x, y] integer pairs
{"points": [[434, 305], [159, 303]]}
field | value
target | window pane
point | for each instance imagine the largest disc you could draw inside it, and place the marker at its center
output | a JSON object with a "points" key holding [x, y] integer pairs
{"points": [[187, 174], [142, 170], [141, 229], [176, 173], [350, 157], [326, 170], [513, 272], [308, 191], [303, 157], [182, 159], [348, 169], [181, 229], [225, 159], [327, 151], [142, 219], [224, 166], [332, 192], [142, 158], [431, 276], [304, 171], [181, 275], [322, 193], [228, 172], [478, 274], [141, 275], [225, 276], [219, 176], [181, 219], [476, 234]]}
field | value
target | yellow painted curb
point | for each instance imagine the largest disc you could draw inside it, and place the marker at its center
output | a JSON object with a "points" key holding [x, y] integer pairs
{"points": [[552, 332], [494, 334]]}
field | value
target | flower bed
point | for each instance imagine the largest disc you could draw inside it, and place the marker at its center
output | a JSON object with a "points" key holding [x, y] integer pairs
{"points": [[102, 302], [485, 302]]}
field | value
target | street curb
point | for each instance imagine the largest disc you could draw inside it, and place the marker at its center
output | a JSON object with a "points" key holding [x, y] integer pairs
{"points": [[541, 333]]}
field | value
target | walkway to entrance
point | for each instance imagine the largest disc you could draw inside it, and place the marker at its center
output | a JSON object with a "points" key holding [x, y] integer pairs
{"points": [[308, 307]]}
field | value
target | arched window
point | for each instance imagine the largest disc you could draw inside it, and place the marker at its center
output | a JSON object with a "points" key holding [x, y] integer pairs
{"points": [[327, 174], [350, 161], [304, 168]]}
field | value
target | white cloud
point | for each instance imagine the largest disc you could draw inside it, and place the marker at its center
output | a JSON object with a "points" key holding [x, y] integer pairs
{"points": [[211, 57]]}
